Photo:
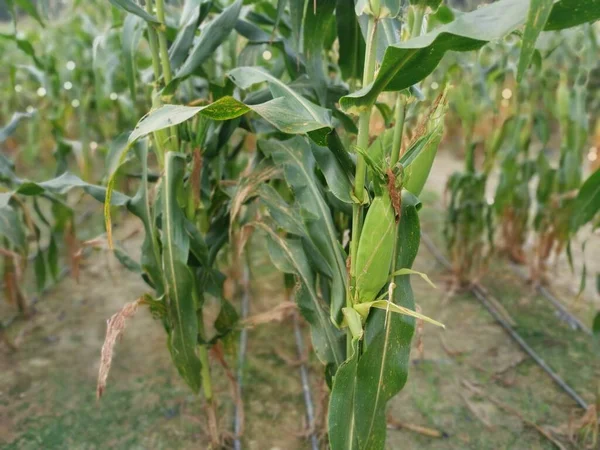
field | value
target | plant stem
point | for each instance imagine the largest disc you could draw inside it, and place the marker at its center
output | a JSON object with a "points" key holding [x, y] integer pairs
{"points": [[362, 142], [153, 43], [398, 129], [166, 65], [208, 394], [162, 42], [419, 12]]}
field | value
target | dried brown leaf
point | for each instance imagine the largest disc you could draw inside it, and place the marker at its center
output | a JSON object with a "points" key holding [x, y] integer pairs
{"points": [[114, 329]]}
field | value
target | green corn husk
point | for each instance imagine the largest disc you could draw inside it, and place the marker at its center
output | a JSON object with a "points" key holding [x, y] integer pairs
{"points": [[375, 249]]}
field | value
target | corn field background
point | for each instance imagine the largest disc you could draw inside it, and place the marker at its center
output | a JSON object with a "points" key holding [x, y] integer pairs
{"points": [[293, 224]]}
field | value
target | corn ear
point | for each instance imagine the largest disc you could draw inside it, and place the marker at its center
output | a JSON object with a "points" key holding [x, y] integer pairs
{"points": [[375, 249]]}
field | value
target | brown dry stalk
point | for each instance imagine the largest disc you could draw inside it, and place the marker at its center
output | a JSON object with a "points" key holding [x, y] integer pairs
{"points": [[394, 424], [217, 352], [471, 387], [114, 329], [72, 249]]}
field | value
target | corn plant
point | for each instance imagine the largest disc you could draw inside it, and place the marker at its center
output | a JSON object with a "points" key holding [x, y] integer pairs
{"points": [[558, 187], [316, 174], [468, 226]]}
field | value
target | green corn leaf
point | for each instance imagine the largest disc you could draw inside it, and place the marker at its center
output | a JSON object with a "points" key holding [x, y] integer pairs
{"points": [[212, 36], [133, 27], [192, 16], [385, 305], [317, 21], [53, 258], [289, 257], [587, 202], [61, 185], [11, 126], [352, 45], [289, 111], [337, 179], [341, 419], [132, 7], [383, 367], [407, 63], [12, 228], [29, 7], [414, 272], [39, 268], [183, 336], [169, 115], [570, 13], [286, 216], [25, 46], [140, 206], [539, 11], [295, 157]]}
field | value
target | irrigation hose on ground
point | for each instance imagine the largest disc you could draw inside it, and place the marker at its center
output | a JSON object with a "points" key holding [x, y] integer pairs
{"points": [[563, 313], [480, 295], [243, 345]]}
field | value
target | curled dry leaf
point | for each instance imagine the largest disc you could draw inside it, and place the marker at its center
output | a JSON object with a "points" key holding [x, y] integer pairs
{"points": [[277, 314], [114, 329]]}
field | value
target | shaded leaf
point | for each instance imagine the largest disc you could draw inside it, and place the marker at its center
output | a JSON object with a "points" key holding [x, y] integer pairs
{"points": [[213, 35], [132, 7]]}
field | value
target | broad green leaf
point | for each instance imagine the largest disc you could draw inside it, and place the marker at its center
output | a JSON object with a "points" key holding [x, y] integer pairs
{"points": [[133, 27], [257, 36], [29, 7], [12, 125], [61, 185], [406, 63], [298, 164], [150, 258], [352, 45], [288, 111], [169, 115], [289, 257], [180, 48], [12, 228], [183, 335], [539, 11], [284, 215], [39, 268], [596, 325], [383, 367], [587, 202], [317, 21], [570, 13], [25, 46], [132, 7], [337, 180], [341, 419], [212, 36]]}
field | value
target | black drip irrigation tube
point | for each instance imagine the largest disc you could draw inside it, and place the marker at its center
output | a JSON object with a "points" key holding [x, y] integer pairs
{"points": [[243, 346], [480, 295], [563, 313], [245, 310], [310, 411]]}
